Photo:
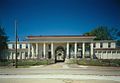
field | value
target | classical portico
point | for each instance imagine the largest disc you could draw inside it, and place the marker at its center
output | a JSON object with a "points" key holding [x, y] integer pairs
{"points": [[67, 47]]}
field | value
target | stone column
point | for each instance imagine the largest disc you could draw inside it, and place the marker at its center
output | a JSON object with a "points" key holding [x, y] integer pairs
{"points": [[67, 50], [44, 47], [75, 50], [28, 50], [52, 53], [36, 49], [83, 50], [91, 48], [32, 51]]}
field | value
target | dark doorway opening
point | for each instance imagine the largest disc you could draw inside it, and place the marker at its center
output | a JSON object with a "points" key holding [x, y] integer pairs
{"points": [[59, 54], [49, 55]]}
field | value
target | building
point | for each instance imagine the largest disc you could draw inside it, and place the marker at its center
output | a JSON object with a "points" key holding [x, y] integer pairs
{"points": [[62, 48]]}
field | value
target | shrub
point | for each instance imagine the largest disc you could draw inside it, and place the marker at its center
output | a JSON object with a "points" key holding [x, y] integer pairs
{"points": [[89, 62], [96, 62], [34, 62], [5, 62]]}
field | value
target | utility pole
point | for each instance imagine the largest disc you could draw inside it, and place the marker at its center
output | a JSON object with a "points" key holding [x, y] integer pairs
{"points": [[15, 44]]}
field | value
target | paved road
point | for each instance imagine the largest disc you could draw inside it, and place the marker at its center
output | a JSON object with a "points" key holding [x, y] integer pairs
{"points": [[62, 71], [61, 68]]}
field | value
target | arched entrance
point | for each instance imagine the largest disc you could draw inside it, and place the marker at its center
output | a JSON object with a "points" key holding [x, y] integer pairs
{"points": [[59, 54]]}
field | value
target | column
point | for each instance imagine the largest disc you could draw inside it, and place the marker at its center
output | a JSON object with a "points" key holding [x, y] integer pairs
{"points": [[44, 49], [32, 51], [14, 55], [67, 50], [75, 50], [83, 50], [24, 55], [28, 50], [11, 55], [20, 55], [52, 53], [36, 49], [91, 48]]}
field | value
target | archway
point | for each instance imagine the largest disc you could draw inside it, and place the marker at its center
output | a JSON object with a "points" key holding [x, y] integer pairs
{"points": [[59, 54]]}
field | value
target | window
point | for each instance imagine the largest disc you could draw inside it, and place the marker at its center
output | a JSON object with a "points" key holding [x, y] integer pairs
{"points": [[49, 46], [95, 51], [113, 51], [109, 44], [13, 46], [26, 45], [94, 45], [26, 54], [104, 51], [118, 51], [109, 52], [20, 46], [99, 51], [101, 45]]}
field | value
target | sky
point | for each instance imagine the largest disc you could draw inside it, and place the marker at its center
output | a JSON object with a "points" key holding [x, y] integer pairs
{"points": [[57, 17]]}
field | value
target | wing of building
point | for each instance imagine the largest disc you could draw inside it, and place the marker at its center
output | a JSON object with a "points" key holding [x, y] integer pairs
{"points": [[61, 48]]}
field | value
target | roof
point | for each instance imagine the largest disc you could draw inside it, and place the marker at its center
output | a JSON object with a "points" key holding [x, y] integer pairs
{"points": [[61, 36], [107, 48]]}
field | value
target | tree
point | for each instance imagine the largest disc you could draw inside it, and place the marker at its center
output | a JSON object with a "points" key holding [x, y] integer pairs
{"points": [[101, 33], [3, 43], [105, 33]]}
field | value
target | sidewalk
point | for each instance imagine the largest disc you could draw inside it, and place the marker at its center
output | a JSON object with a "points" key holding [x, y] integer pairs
{"points": [[53, 81]]}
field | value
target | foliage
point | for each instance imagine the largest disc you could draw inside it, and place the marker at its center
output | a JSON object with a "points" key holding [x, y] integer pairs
{"points": [[3, 42], [5, 62], [114, 33], [118, 42], [27, 63], [89, 62], [105, 33], [101, 33], [102, 62], [34, 62]]}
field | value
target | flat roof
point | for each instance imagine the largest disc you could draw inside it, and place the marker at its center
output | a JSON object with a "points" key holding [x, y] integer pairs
{"points": [[61, 36], [107, 48]]}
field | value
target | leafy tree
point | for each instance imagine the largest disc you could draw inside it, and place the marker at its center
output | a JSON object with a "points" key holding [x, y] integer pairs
{"points": [[118, 42], [103, 33], [3, 43], [114, 33]]}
